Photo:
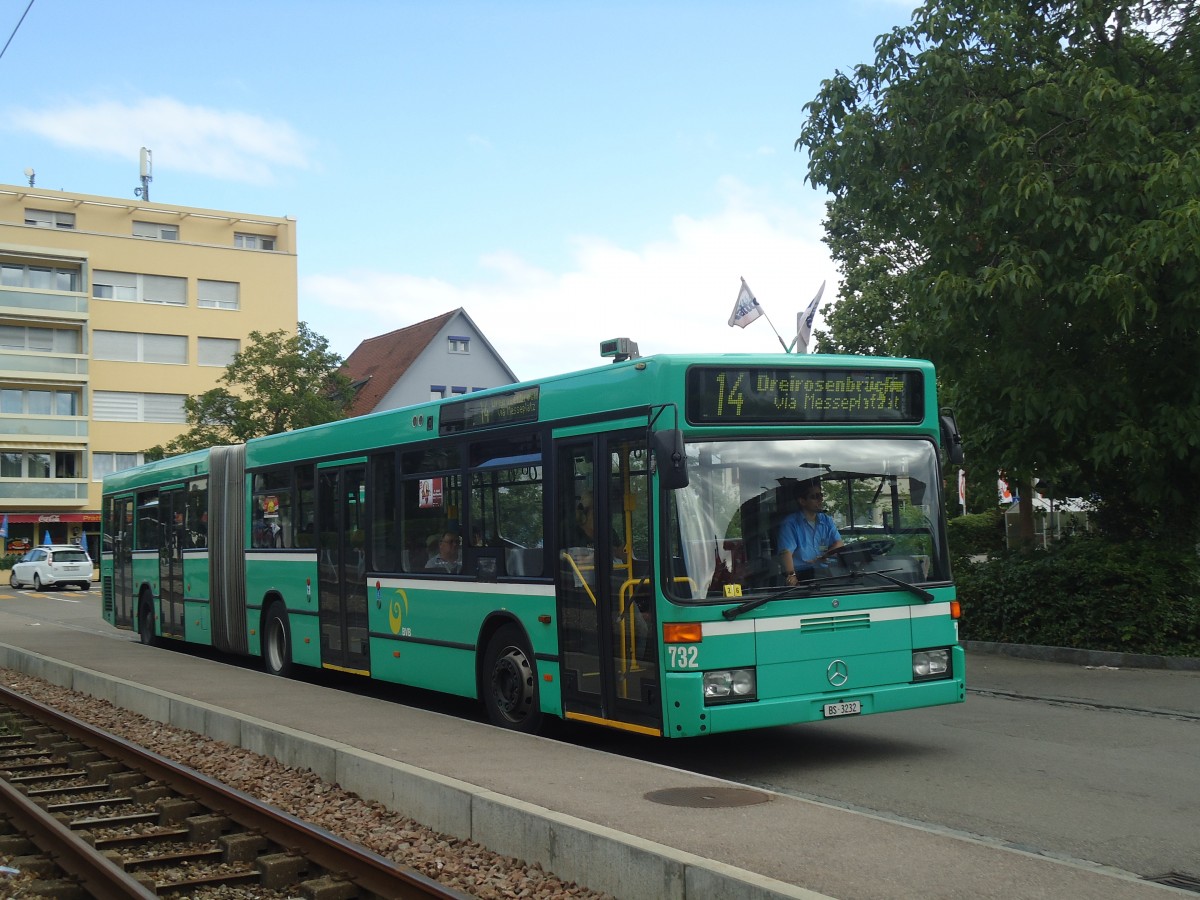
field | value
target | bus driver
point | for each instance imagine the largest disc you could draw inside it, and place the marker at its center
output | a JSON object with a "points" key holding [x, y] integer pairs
{"points": [[808, 536]]}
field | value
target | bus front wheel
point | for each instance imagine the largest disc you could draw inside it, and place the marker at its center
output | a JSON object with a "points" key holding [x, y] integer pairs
{"points": [[277, 642], [510, 688]]}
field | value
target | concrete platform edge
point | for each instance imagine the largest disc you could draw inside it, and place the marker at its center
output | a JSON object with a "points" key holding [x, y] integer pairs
{"points": [[576, 850], [1078, 657]]}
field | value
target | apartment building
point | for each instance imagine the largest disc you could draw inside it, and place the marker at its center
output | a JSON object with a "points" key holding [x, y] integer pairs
{"points": [[112, 312]]}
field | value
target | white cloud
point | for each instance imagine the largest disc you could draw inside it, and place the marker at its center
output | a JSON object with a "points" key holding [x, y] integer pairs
{"points": [[223, 144], [672, 296]]}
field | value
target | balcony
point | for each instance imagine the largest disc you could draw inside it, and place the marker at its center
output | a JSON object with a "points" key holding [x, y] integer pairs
{"points": [[33, 427], [73, 366], [44, 492], [25, 301]]}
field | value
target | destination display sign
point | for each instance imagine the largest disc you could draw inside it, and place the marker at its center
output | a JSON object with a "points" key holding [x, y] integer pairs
{"points": [[773, 396], [490, 411]]}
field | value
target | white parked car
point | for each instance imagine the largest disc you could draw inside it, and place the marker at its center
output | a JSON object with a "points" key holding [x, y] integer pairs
{"points": [[52, 565]]}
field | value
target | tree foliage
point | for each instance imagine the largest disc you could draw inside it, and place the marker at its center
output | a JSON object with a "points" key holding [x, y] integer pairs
{"points": [[278, 382], [1016, 196]]}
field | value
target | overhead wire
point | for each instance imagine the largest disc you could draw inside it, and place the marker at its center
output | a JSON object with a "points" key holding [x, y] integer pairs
{"points": [[16, 28]]}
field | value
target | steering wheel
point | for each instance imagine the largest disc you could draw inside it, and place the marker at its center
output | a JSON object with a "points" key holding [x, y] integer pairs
{"points": [[863, 551]]}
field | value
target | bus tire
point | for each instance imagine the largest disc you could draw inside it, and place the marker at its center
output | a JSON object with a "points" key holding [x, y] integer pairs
{"points": [[510, 686], [277, 642], [145, 622]]}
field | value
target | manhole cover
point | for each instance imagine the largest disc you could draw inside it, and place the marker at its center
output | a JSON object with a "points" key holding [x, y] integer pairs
{"points": [[707, 798]]}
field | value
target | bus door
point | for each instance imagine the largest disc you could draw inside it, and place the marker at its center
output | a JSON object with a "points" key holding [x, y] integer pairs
{"points": [[341, 568], [606, 618], [171, 514], [122, 550]]}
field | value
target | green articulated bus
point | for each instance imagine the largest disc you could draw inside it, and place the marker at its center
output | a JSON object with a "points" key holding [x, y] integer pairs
{"points": [[608, 546]]}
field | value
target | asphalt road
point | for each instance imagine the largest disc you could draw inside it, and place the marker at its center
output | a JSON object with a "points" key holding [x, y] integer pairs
{"points": [[1100, 764]]}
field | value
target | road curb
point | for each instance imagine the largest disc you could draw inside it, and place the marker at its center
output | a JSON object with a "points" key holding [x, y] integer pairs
{"points": [[1085, 657]]}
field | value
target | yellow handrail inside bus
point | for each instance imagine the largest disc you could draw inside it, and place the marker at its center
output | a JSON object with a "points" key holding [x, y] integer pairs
{"points": [[579, 574]]}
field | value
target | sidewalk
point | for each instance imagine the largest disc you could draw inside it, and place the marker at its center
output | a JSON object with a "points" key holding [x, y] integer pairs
{"points": [[1107, 680]]}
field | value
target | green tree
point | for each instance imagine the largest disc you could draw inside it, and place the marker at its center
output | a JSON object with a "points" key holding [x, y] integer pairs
{"points": [[278, 382], [1016, 196]]}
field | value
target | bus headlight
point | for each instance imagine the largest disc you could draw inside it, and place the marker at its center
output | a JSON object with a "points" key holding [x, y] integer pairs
{"points": [[730, 686], [931, 664]]}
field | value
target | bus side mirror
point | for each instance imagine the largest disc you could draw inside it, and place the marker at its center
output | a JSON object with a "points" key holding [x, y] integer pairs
{"points": [[951, 439], [669, 459]]}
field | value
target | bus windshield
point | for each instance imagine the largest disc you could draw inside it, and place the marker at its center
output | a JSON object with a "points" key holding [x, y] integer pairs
{"points": [[881, 496]]}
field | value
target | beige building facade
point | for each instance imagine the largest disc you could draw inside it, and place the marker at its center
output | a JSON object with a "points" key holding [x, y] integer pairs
{"points": [[112, 312]]}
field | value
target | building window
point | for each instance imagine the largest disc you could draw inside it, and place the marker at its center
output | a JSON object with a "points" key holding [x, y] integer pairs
{"points": [[45, 218], [107, 463], [137, 288], [253, 241], [125, 406], [458, 389], [43, 278], [216, 351], [40, 464], [124, 346], [437, 391], [41, 340], [218, 294], [459, 344], [155, 231], [32, 402], [12, 464]]}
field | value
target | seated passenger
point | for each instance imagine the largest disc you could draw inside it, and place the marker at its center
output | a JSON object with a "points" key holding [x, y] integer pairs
{"points": [[447, 558]]}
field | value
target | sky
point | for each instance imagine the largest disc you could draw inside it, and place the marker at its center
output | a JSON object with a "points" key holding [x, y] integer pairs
{"points": [[566, 171]]}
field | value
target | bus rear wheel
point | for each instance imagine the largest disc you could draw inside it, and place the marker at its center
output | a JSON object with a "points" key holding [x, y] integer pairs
{"points": [[510, 687], [277, 642], [146, 624]]}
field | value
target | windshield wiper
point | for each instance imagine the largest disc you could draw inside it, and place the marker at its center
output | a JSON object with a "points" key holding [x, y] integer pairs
{"points": [[805, 589], [920, 592], [808, 588]]}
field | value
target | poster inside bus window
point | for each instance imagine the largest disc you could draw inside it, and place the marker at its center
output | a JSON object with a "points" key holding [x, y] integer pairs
{"points": [[749, 395], [429, 493]]}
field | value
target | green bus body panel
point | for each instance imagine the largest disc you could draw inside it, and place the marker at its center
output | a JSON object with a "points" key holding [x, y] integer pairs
{"points": [[687, 716], [197, 621], [293, 581], [425, 633], [791, 645], [164, 471]]}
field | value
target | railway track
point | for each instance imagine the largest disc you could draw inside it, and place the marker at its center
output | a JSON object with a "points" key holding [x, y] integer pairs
{"points": [[86, 814]]}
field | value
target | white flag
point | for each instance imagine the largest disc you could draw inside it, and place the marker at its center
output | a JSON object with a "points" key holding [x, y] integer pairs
{"points": [[746, 309], [804, 322]]}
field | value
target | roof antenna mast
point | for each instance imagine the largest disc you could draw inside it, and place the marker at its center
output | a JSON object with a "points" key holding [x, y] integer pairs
{"points": [[146, 168]]}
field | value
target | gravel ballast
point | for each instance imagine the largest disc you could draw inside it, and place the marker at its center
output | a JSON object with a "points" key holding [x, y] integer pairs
{"points": [[464, 865]]}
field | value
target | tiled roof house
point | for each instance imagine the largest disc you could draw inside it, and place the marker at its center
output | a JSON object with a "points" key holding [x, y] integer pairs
{"points": [[440, 357]]}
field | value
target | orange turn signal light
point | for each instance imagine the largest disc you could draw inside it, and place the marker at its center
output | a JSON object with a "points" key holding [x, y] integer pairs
{"points": [[682, 633], [955, 609]]}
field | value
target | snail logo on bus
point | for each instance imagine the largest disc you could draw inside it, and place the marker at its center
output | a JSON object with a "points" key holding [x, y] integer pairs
{"points": [[492, 411], [726, 394]]}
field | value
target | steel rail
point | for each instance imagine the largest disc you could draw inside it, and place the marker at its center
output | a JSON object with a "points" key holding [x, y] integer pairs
{"points": [[72, 854], [370, 871]]}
